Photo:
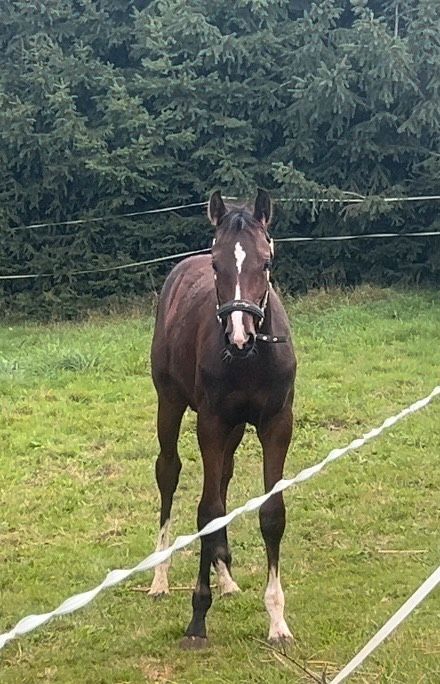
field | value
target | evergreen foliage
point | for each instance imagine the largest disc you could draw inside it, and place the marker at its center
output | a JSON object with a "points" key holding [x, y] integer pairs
{"points": [[111, 106]]}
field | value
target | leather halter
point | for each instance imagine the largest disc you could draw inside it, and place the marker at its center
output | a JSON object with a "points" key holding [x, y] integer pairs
{"points": [[224, 310], [246, 306]]}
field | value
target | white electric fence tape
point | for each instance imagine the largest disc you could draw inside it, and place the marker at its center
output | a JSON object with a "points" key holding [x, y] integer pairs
{"points": [[73, 603], [403, 612]]}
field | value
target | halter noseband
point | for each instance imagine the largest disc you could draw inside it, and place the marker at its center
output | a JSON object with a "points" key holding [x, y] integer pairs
{"points": [[224, 310], [246, 306]]}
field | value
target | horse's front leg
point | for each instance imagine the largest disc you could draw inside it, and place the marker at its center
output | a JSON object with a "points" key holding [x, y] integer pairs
{"points": [[222, 563], [275, 434], [212, 434]]}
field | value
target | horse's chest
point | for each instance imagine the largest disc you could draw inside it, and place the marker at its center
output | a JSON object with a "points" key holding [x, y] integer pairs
{"points": [[235, 407], [241, 399]]}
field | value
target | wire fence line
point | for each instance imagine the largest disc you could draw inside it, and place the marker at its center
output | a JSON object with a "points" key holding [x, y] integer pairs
{"points": [[204, 250], [104, 269], [31, 622], [353, 198], [109, 217], [363, 198], [361, 236]]}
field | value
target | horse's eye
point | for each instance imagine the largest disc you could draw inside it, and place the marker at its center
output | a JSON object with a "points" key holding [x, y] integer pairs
{"points": [[268, 265]]}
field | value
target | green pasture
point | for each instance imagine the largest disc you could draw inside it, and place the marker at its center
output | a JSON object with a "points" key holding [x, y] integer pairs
{"points": [[78, 498]]}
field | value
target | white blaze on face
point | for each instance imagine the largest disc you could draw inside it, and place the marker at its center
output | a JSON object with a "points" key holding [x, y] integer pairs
{"points": [[239, 336], [274, 602]]}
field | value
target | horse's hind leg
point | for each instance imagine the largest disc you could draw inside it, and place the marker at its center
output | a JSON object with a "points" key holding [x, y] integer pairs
{"points": [[168, 465], [222, 560], [275, 434]]}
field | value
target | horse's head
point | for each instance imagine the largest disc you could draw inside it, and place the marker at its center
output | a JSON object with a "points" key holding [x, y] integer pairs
{"points": [[241, 260]]}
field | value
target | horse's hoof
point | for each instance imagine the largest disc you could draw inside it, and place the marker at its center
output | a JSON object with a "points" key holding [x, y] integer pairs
{"points": [[280, 634], [227, 587], [158, 591], [230, 592], [281, 641], [193, 643]]}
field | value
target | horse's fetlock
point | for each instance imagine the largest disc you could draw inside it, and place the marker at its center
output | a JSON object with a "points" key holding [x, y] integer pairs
{"points": [[222, 554]]}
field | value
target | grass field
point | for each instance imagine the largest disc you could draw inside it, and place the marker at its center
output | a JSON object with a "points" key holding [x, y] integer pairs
{"points": [[77, 498]]}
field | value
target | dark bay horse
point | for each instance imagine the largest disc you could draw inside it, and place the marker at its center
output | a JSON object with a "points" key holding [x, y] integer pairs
{"points": [[222, 346]]}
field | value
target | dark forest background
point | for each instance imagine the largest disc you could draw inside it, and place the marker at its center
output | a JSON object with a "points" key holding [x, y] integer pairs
{"points": [[112, 106]]}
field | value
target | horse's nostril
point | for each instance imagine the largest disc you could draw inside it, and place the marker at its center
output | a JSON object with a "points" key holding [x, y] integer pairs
{"points": [[237, 340], [240, 346]]}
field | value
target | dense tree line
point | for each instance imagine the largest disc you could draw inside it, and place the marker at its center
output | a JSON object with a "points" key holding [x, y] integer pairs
{"points": [[110, 106]]}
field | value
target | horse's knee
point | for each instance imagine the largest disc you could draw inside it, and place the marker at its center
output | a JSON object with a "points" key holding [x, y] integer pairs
{"points": [[167, 478], [215, 545], [207, 511], [221, 552], [228, 471], [273, 519], [167, 471]]}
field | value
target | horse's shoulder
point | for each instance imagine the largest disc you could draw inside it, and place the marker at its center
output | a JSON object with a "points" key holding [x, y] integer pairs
{"points": [[189, 275], [192, 268]]}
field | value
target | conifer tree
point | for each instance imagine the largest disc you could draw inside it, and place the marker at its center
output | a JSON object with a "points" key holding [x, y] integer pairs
{"points": [[116, 105]]}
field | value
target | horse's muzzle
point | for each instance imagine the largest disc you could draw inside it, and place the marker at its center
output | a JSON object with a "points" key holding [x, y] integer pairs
{"points": [[231, 351], [240, 334]]}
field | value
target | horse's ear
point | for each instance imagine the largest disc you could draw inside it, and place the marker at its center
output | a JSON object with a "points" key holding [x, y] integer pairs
{"points": [[263, 207], [216, 208]]}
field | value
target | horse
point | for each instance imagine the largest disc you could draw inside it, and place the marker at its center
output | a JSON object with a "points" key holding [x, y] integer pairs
{"points": [[222, 347]]}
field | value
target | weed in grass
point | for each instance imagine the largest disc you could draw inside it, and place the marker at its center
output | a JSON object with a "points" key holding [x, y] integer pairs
{"points": [[8, 366], [77, 361]]}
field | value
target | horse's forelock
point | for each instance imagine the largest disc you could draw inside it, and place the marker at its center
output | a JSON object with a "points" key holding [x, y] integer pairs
{"points": [[237, 219], [237, 222]]}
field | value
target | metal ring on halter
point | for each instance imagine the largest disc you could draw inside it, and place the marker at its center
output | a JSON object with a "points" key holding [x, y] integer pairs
{"points": [[273, 339]]}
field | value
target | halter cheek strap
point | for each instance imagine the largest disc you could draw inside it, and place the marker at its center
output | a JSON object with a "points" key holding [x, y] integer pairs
{"points": [[274, 339], [262, 337]]}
